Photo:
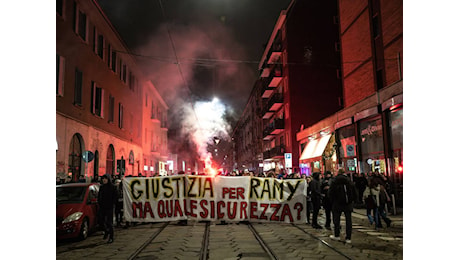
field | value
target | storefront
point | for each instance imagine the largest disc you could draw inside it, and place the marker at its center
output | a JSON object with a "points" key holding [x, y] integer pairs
{"points": [[318, 154], [368, 138], [393, 116], [372, 157], [346, 145]]}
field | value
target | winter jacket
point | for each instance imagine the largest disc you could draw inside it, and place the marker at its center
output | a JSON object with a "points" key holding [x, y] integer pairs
{"points": [[107, 196], [336, 193], [315, 188], [375, 193]]}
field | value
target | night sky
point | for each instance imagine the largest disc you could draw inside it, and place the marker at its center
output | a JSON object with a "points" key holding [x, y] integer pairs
{"points": [[218, 43]]}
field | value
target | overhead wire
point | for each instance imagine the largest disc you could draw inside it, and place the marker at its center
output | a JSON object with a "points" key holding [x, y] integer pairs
{"points": [[178, 63], [213, 62]]}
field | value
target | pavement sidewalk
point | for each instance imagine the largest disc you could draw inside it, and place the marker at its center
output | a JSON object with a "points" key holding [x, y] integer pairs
{"points": [[359, 216]]}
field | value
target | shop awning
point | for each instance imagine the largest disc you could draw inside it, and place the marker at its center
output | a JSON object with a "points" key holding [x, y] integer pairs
{"points": [[315, 148]]}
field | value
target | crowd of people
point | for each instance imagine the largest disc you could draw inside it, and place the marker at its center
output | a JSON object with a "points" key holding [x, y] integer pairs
{"points": [[344, 192], [334, 194]]}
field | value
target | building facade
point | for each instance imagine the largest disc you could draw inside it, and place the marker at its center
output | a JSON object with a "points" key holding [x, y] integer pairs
{"points": [[367, 135], [99, 97], [247, 135], [299, 71], [155, 131]]}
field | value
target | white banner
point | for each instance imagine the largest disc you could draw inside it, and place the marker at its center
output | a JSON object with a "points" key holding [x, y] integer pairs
{"points": [[169, 198]]}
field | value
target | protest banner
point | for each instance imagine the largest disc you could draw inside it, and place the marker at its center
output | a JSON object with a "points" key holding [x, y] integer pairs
{"points": [[232, 199]]}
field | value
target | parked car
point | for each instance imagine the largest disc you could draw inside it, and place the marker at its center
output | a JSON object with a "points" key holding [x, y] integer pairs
{"points": [[76, 210]]}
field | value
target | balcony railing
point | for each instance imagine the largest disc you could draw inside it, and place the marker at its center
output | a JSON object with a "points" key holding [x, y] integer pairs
{"points": [[274, 128], [277, 151], [275, 102], [276, 75], [275, 53]]}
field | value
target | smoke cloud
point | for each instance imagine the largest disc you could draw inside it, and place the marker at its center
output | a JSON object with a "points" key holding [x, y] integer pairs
{"points": [[203, 70], [205, 123]]}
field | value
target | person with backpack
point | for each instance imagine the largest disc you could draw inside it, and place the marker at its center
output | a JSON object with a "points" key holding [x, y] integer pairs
{"points": [[370, 200], [384, 198], [343, 194]]}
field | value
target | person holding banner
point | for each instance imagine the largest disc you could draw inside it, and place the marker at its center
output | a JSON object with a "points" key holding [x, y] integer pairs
{"points": [[107, 198]]}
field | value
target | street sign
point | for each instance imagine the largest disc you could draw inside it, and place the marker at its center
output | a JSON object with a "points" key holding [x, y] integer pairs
{"points": [[88, 156], [288, 160]]}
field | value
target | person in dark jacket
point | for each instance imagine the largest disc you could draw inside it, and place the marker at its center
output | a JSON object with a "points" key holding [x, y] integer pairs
{"points": [[342, 193], [315, 187], [119, 203], [107, 198], [326, 201]]}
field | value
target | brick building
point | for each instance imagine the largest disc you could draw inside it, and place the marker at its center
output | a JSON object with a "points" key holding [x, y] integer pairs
{"points": [[298, 85], [100, 93], [367, 134]]}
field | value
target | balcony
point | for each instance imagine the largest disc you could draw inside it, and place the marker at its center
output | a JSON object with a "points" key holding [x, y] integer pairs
{"points": [[265, 73], [275, 127], [267, 114], [267, 91], [275, 152], [276, 76], [275, 53], [275, 102], [154, 118]]}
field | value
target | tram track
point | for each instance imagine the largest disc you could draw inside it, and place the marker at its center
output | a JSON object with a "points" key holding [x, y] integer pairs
{"points": [[205, 243], [323, 242], [270, 252], [209, 240], [273, 254], [148, 241]]}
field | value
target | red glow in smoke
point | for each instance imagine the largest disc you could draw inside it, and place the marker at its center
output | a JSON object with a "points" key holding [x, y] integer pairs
{"points": [[208, 168]]}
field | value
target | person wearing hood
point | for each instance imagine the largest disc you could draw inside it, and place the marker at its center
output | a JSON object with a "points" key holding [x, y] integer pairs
{"points": [[107, 198], [315, 199], [343, 194]]}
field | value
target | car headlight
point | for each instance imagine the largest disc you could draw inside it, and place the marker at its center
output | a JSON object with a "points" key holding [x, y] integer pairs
{"points": [[73, 217]]}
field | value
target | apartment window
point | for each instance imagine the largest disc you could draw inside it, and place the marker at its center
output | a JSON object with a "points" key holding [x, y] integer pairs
{"points": [[60, 68], [80, 23], [111, 108], [109, 54], [95, 39], [114, 61], [121, 70], [146, 100], [120, 115], [97, 100], [100, 46], [124, 72], [152, 111], [78, 87], [131, 81]]}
